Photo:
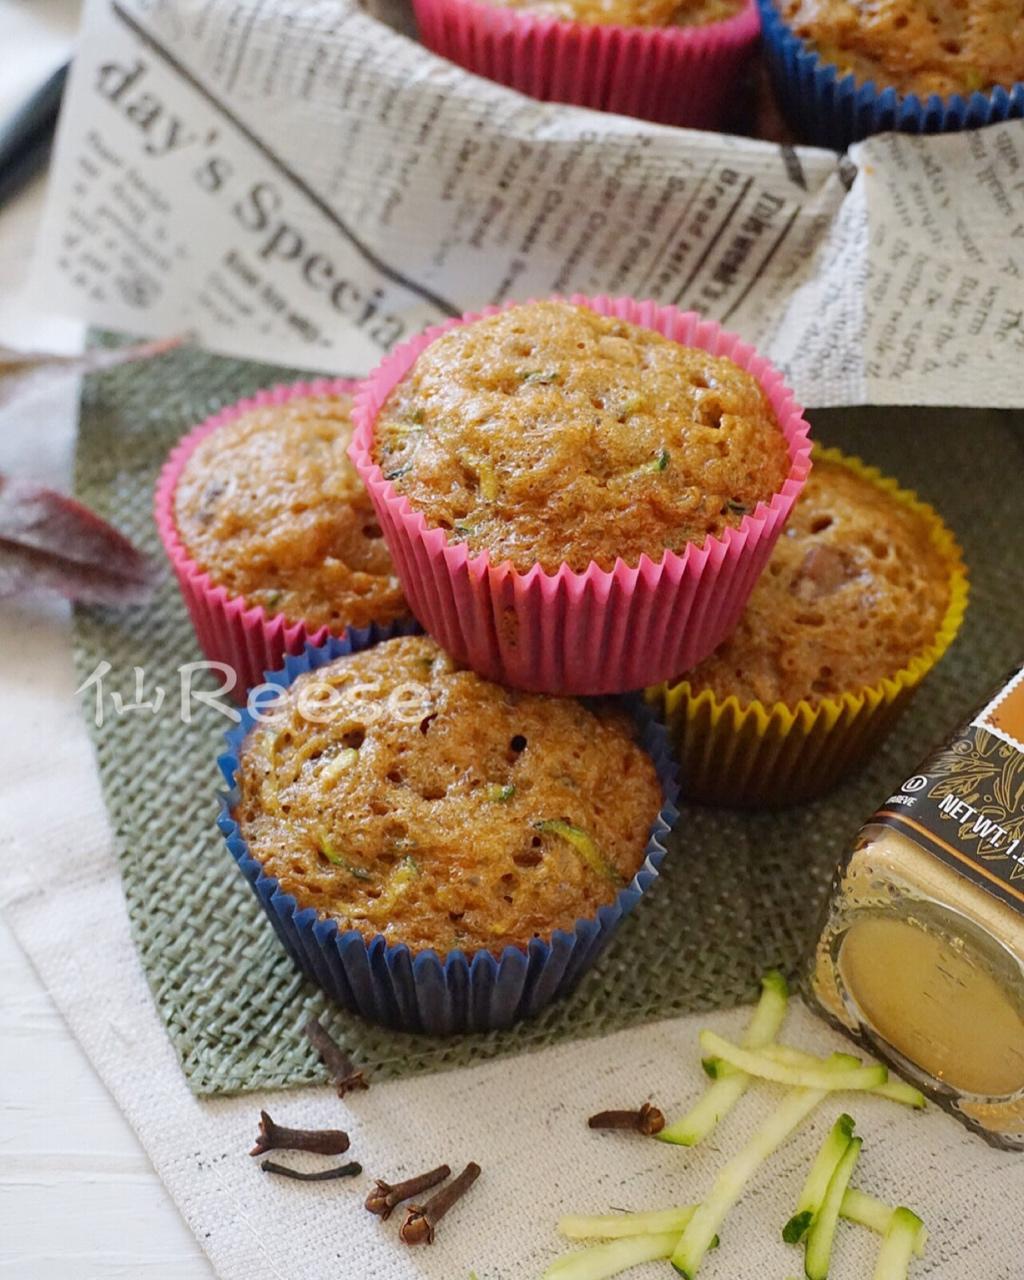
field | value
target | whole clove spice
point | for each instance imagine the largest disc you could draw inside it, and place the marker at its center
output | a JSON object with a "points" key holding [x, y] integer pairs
{"points": [[323, 1175], [275, 1137], [421, 1220], [647, 1120], [385, 1197], [343, 1072]]}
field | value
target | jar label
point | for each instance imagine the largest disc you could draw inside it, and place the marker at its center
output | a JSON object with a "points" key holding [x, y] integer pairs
{"points": [[966, 803]]}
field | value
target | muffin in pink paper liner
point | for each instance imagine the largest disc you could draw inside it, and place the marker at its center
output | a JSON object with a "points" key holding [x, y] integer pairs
{"points": [[271, 536], [672, 73], [595, 627]]}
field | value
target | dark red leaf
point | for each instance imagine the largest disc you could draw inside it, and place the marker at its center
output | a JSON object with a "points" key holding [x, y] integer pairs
{"points": [[54, 542]]}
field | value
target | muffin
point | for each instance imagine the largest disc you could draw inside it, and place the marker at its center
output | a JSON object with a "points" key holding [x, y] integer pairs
{"points": [[864, 591], [263, 507], [849, 68], [399, 801], [941, 48], [673, 61], [270, 506], [579, 494], [548, 434], [856, 588], [629, 13]]}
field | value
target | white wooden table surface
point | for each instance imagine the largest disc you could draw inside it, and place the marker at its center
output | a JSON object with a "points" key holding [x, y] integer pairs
{"points": [[78, 1197]]}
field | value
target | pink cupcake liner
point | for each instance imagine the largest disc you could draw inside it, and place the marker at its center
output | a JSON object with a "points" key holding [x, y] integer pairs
{"points": [[242, 636], [674, 75], [599, 631]]}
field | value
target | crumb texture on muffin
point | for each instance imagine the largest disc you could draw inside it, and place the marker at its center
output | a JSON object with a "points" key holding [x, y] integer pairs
{"points": [[916, 46], [270, 506], [549, 434], [855, 589], [440, 810], [630, 13]]}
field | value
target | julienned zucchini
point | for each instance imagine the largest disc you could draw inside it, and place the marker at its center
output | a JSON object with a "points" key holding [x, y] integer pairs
{"points": [[894, 1090], [876, 1215], [714, 1103], [769, 1012], [857, 1206], [817, 1180], [603, 1260], [830, 1075], [823, 1229], [612, 1226], [702, 1228], [722, 1096], [898, 1245], [635, 1238]]}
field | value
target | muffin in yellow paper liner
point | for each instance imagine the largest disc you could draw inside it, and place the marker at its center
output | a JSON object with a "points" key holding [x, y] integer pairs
{"points": [[765, 755]]}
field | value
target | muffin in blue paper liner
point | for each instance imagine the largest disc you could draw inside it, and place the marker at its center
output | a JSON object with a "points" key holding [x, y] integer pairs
{"points": [[423, 991], [830, 109]]}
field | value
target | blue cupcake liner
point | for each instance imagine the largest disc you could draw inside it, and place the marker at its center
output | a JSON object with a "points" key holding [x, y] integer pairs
{"points": [[829, 109], [424, 992]]}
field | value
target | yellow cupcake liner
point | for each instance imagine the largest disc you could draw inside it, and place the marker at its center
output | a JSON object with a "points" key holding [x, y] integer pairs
{"points": [[764, 756]]}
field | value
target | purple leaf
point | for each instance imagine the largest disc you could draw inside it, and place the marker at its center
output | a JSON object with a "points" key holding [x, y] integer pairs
{"points": [[54, 542]]}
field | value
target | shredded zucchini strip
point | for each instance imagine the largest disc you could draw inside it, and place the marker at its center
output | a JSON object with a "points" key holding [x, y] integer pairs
{"points": [[894, 1090], [337, 765], [609, 1226], [823, 1229], [702, 1228], [603, 1260], [584, 844], [897, 1246], [816, 1183], [831, 1075], [857, 1207], [876, 1215], [719, 1099]]}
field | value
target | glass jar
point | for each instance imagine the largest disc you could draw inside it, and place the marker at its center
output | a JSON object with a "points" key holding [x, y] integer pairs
{"points": [[921, 952]]}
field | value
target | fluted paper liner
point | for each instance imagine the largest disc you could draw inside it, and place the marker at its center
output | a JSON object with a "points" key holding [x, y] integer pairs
{"points": [[767, 755], [673, 74], [424, 991], [596, 631]]}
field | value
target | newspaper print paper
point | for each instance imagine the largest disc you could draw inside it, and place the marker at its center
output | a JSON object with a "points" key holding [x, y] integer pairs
{"points": [[299, 181]]}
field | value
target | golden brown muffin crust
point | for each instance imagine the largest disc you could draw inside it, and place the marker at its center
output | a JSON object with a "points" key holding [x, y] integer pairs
{"points": [[270, 506], [548, 433], [426, 815], [917, 46], [854, 590], [630, 13]]}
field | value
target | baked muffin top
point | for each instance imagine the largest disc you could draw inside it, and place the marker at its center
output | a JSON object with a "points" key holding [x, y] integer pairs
{"points": [[916, 46], [549, 434], [855, 589], [441, 810], [630, 13], [270, 506]]}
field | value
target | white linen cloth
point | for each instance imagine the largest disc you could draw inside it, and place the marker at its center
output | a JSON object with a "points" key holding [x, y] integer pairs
{"points": [[522, 1118]]}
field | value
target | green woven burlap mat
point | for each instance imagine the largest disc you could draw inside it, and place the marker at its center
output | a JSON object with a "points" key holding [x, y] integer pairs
{"points": [[738, 892]]}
